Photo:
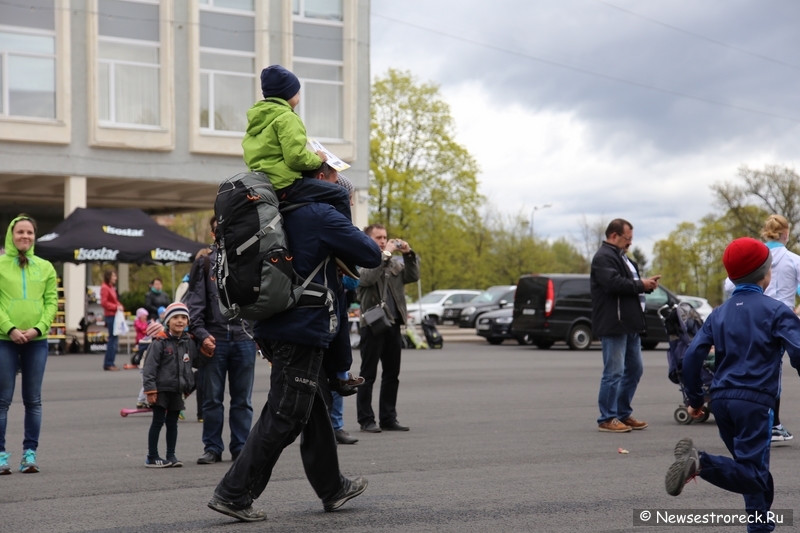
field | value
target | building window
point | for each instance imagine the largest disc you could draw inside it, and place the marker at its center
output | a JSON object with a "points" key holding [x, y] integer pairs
{"points": [[227, 65], [28, 60], [128, 64], [318, 61]]}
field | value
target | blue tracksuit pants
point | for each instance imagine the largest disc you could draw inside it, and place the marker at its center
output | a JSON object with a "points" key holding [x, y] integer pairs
{"points": [[746, 429]]}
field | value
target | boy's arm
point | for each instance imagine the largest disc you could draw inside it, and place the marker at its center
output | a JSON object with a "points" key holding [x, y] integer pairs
{"points": [[199, 359], [693, 364], [151, 365], [292, 138], [786, 326]]}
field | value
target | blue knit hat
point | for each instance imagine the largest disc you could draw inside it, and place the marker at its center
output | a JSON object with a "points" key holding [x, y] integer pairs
{"points": [[277, 81]]}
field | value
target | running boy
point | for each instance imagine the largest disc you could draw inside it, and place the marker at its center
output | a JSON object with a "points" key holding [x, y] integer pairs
{"points": [[167, 378], [275, 144], [750, 332]]}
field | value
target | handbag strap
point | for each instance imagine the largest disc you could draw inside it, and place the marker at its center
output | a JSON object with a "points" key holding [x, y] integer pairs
{"points": [[385, 282]]}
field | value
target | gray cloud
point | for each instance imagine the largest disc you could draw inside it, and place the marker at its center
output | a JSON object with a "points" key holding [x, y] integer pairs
{"points": [[588, 35]]}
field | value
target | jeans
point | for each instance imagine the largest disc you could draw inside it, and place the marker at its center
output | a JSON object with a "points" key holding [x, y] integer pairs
{"points": [[32, 358], [314, 190], [237, 359], [295, 405], [385, 348], [622, 369], [111, 344], [337, 411], [746, 429]]}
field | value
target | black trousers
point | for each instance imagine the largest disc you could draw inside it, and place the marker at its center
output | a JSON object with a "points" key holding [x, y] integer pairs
{"points": [[295, 406], [385, 348]]}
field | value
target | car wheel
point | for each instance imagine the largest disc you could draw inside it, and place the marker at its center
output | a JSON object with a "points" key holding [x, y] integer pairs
{"points": [[525, 340], [495, 340], [580, 338], [542, 344], [649, 345]]}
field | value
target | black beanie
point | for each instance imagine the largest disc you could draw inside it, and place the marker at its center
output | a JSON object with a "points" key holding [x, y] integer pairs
{"points": [[277, 81]]}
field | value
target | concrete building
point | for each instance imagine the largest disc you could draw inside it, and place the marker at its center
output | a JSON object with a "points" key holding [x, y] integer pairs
{"points": [[142, 103]]}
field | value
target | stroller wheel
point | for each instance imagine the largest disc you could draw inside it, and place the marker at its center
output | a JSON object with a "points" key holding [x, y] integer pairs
{"points": [[682, 416]]}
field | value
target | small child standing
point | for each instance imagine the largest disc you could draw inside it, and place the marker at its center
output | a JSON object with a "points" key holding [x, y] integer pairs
{"points": [[275, 144], [140, 324], [167, 378], [749, 332]]}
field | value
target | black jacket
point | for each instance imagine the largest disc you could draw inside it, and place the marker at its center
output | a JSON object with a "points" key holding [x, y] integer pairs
{"points": [[616, 308], [169, 363], [202, 299], [152, 301]]}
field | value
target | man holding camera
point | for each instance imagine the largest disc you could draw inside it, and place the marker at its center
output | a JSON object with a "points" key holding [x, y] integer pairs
{"points": [[384, 284]]}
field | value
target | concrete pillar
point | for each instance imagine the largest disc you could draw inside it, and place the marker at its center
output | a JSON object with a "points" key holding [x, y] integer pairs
{"points": [[123, 279], [360, 208], [74, 275]]}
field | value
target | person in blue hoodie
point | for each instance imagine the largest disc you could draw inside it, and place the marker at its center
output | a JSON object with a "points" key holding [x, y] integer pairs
{"points": [[749, 332], [294, 341]]}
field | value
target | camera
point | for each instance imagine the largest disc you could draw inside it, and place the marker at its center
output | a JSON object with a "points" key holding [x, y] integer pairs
{"points": [[398, 243]]}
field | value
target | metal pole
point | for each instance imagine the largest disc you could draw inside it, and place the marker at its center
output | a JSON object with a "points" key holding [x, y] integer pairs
{"points": [[172, 267]]}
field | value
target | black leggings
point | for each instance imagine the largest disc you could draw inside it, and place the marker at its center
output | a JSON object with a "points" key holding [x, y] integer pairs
{"points": [[776, 420], [160, 415]]}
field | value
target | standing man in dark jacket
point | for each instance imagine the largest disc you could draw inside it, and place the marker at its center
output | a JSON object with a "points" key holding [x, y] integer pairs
{"points": [[234, 355], [294, 341], [618, 319], [384, 284]]}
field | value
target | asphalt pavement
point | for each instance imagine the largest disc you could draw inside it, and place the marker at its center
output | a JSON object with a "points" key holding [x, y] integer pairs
{"points": [[503, 439]]}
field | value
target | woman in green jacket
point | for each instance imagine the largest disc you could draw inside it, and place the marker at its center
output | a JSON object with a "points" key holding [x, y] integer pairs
{"points": [[28, 304]]}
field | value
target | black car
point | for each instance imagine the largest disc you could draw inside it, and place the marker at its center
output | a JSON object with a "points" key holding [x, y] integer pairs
{"points": [[465, 314], [496, 327], [558, 307]]}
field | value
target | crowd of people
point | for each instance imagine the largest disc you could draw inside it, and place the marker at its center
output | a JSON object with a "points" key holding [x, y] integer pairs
{"points": [[189, 346]]}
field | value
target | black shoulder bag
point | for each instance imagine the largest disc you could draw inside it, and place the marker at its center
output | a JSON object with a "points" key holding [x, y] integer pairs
{"points": [[375, 317]]}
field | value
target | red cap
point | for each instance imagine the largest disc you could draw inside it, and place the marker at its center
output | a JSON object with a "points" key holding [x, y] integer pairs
{"points": [[744, 256]]}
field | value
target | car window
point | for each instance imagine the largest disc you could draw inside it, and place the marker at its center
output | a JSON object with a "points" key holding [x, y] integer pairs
{"points": [[492, 295], [658, 297], [508, 297], [578, 289], [432, 298]]}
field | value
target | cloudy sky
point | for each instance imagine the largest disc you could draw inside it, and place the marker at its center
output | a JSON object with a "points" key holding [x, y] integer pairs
{"points": [[625, 108]]}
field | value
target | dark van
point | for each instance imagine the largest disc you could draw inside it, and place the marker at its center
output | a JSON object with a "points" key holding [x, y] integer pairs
{"points": [[558, 307]]}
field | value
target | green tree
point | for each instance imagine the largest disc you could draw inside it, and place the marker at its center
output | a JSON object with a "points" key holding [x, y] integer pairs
{"points": [[424, 184]]}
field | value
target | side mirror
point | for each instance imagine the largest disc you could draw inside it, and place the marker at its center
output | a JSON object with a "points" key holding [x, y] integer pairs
{"points": [[449, 302], [503, 303]]}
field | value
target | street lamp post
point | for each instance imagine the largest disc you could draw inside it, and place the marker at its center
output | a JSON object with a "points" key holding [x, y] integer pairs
{"points": [[533, 214]]}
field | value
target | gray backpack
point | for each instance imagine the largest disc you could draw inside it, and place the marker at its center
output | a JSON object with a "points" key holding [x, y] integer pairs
{"points": [[253, 270]]}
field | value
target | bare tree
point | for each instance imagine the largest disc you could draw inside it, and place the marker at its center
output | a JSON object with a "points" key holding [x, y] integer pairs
{"points": [[592, 235], [774, 190]]}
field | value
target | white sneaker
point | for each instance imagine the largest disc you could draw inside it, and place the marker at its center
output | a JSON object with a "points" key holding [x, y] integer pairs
{"points": [[779, 434]]}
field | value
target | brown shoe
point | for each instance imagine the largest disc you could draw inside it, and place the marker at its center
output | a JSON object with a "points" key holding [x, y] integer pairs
{"points": [[614, 426], [111, 368], [634, 424]]}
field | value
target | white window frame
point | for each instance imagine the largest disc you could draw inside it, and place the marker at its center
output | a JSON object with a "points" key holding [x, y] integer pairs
{"points": [[210, 130], [300, 15], [5, 54], [227, 10], [112, 111], [327, 62]]}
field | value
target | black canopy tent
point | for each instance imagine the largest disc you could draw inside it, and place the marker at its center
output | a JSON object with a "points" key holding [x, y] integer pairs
{"points": [[115, 235]]}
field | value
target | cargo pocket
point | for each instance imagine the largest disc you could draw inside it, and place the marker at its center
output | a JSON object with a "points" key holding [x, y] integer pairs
{"points": [[299, 388]]}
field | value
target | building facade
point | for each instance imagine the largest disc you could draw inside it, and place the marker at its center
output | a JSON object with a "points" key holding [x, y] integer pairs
{"points": [[142, 103]]}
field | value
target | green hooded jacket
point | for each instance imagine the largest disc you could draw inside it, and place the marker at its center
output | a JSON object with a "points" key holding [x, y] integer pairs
{"points": [[275, 143], [28, 296]]}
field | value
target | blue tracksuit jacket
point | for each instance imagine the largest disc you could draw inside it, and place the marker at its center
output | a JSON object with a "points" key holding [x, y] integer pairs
{"points": [[749, 333]]}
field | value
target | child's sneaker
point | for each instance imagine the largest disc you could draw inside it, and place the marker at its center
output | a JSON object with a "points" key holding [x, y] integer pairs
{"points": [[174, 461], [780, 434], [5, 469], [156, 462], [28, 464], [684, 469], [181, 416], [142, 405]]}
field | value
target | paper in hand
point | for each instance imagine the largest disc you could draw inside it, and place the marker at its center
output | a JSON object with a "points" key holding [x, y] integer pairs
{"points": [[333, 161]]}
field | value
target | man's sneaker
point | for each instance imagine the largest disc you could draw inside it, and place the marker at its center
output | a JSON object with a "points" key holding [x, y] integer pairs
{"points": [[779, 434], [5, 469], [156, 462], [684, 469], [28, 464], [634, 424], [350, 490], [248, 514], [174, 461], [613, 426]]}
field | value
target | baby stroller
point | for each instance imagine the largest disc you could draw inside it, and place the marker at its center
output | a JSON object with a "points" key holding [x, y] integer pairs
{"points": [[682, 323]]}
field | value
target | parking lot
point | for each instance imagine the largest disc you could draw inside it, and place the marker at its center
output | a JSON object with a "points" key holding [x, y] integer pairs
{"points": [[503, 438]]}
